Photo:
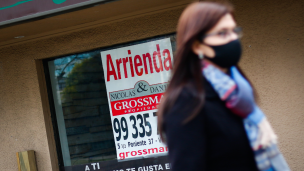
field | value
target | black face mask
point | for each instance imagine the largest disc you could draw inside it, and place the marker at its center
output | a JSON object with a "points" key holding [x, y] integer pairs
{"points": [[227, 55]]}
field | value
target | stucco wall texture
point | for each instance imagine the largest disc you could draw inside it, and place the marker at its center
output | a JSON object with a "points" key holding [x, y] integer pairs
{"points": [[273, 59]]}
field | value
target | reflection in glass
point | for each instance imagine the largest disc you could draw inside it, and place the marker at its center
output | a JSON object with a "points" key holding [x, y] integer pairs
{"points": [[85, 108]]}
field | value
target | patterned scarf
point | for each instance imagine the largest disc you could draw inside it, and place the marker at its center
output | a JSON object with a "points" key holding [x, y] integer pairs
{"points": [[237, 93]]}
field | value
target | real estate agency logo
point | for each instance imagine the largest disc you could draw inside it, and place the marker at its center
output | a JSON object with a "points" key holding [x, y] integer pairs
{"points": [[142, 97]]}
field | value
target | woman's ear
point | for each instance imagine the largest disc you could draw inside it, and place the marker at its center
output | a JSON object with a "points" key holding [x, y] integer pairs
{"points": [[197, 47]]}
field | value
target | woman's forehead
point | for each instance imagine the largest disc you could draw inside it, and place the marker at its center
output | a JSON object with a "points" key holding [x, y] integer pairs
{"points": [[226, 22]]}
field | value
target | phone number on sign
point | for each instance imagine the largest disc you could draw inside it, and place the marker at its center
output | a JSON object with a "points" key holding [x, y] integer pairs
{"points": [[141, 127]]}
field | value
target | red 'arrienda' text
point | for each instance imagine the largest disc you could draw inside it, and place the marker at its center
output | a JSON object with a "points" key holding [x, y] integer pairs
{"points": [[139, 64]]}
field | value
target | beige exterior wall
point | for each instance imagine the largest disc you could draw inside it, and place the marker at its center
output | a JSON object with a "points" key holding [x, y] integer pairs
{"points": [[273, 59]]}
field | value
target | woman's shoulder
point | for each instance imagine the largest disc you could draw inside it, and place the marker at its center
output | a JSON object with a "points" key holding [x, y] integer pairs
{"points": [[182, 107], [184, 99], [209, 91], [187, 100], [187, 92]]}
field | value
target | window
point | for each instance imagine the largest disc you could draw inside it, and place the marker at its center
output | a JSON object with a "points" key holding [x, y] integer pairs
{"points": [[103, 105]]}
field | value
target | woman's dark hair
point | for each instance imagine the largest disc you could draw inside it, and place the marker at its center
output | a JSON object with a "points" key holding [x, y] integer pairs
{"points": [[196, 20]]}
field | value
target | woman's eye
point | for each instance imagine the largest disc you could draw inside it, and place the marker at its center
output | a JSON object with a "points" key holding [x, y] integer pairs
{"points": [[223, 34]]}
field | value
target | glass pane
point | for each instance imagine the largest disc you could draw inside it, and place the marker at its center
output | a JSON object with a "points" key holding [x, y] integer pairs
{"points": [[82, 107]]}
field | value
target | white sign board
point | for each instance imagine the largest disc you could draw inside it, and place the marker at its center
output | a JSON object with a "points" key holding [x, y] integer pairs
{"points": [[136, 78]]}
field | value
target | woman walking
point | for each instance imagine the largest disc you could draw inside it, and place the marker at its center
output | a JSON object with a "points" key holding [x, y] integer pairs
{"points": [[208, 116]]}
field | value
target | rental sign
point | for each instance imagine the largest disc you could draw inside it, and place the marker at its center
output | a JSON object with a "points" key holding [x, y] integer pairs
{"points": [[136, 78]]}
